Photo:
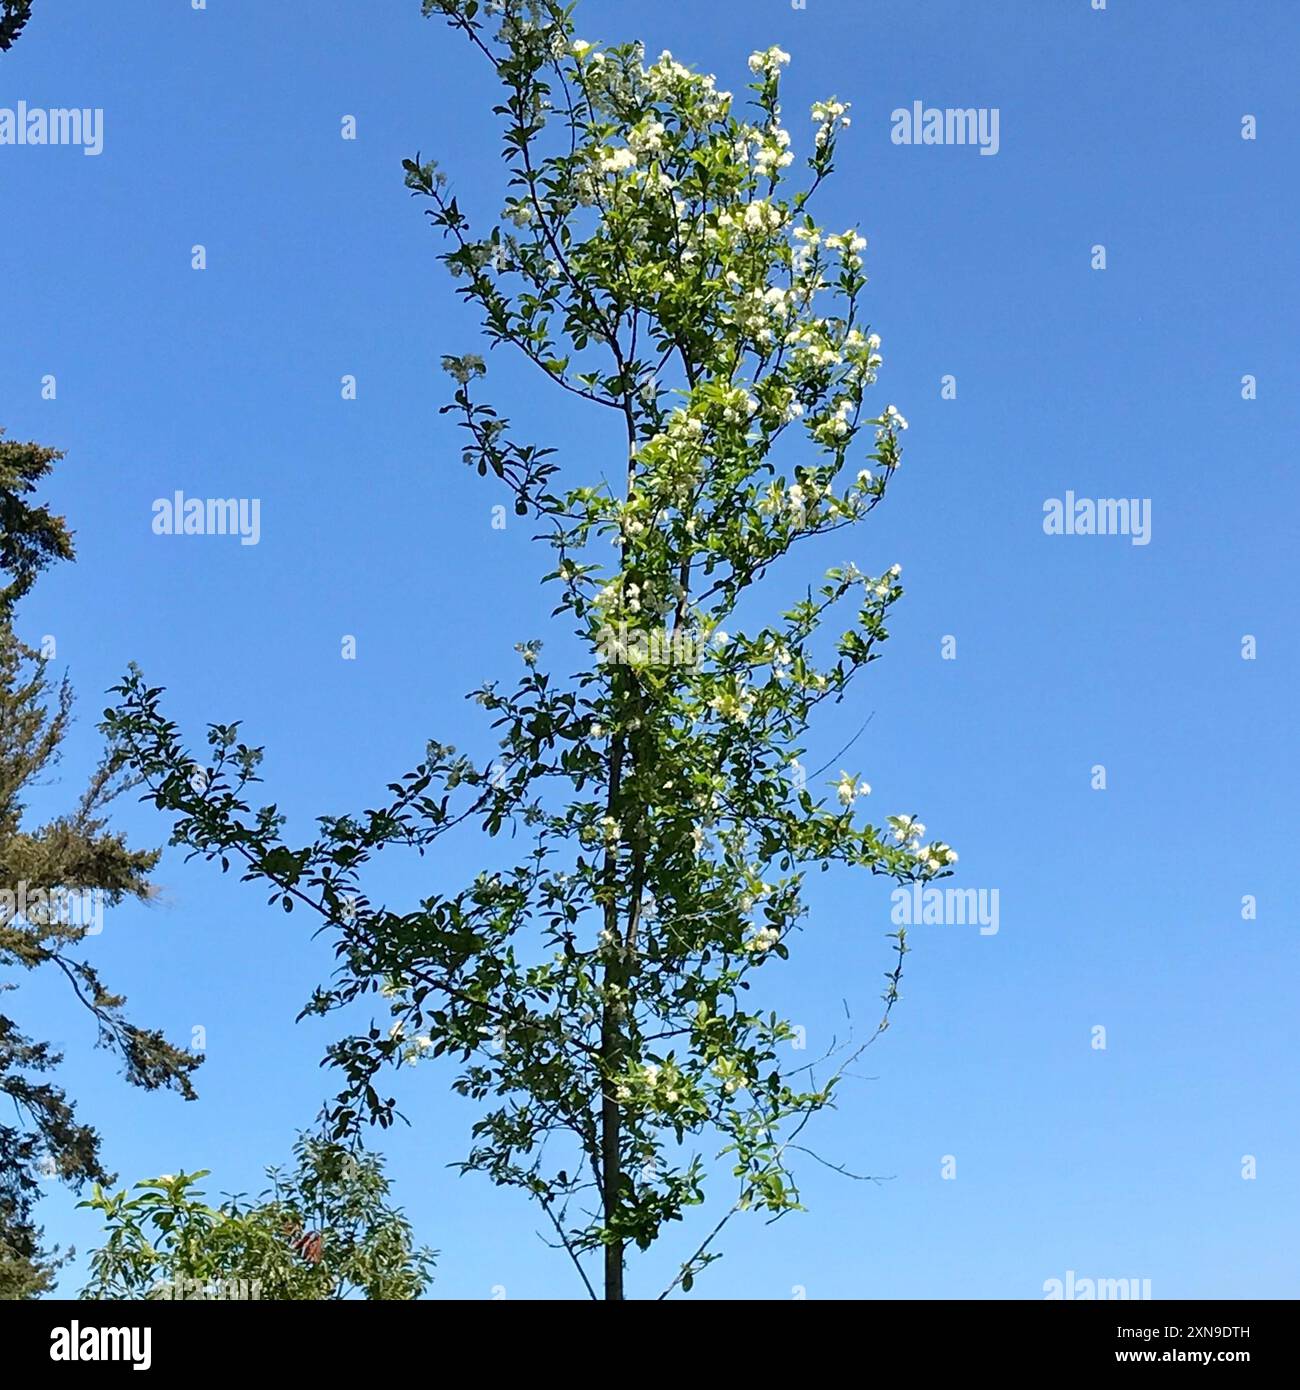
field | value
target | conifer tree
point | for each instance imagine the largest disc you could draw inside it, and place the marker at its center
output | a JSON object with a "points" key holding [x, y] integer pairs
{"points": [[50, 876]]}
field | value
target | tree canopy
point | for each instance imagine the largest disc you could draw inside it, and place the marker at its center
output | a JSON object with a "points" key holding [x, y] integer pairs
{"points": [[324, 1230]]}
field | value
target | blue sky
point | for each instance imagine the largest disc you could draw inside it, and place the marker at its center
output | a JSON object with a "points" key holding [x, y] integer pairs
{"points": [[1119, 908]]}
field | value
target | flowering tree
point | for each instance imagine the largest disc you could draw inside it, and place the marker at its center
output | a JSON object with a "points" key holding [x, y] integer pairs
{"points": [[654, 263]]}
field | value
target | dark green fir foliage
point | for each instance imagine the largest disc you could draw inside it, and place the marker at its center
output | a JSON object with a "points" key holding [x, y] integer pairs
{"points": [[55, 881], [14, 14]]}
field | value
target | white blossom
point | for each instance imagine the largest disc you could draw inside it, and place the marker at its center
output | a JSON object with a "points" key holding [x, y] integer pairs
{"points": [[768, 62], [848, 789], [763, 940], [616, 161]]}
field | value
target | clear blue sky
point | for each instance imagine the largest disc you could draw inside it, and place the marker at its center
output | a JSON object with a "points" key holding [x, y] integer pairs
{"points": [[1119, 908]]}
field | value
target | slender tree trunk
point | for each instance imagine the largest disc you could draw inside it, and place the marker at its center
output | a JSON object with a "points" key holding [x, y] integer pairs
{"points": [[611, 1139], [613, 1041], [612, 1052]]}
